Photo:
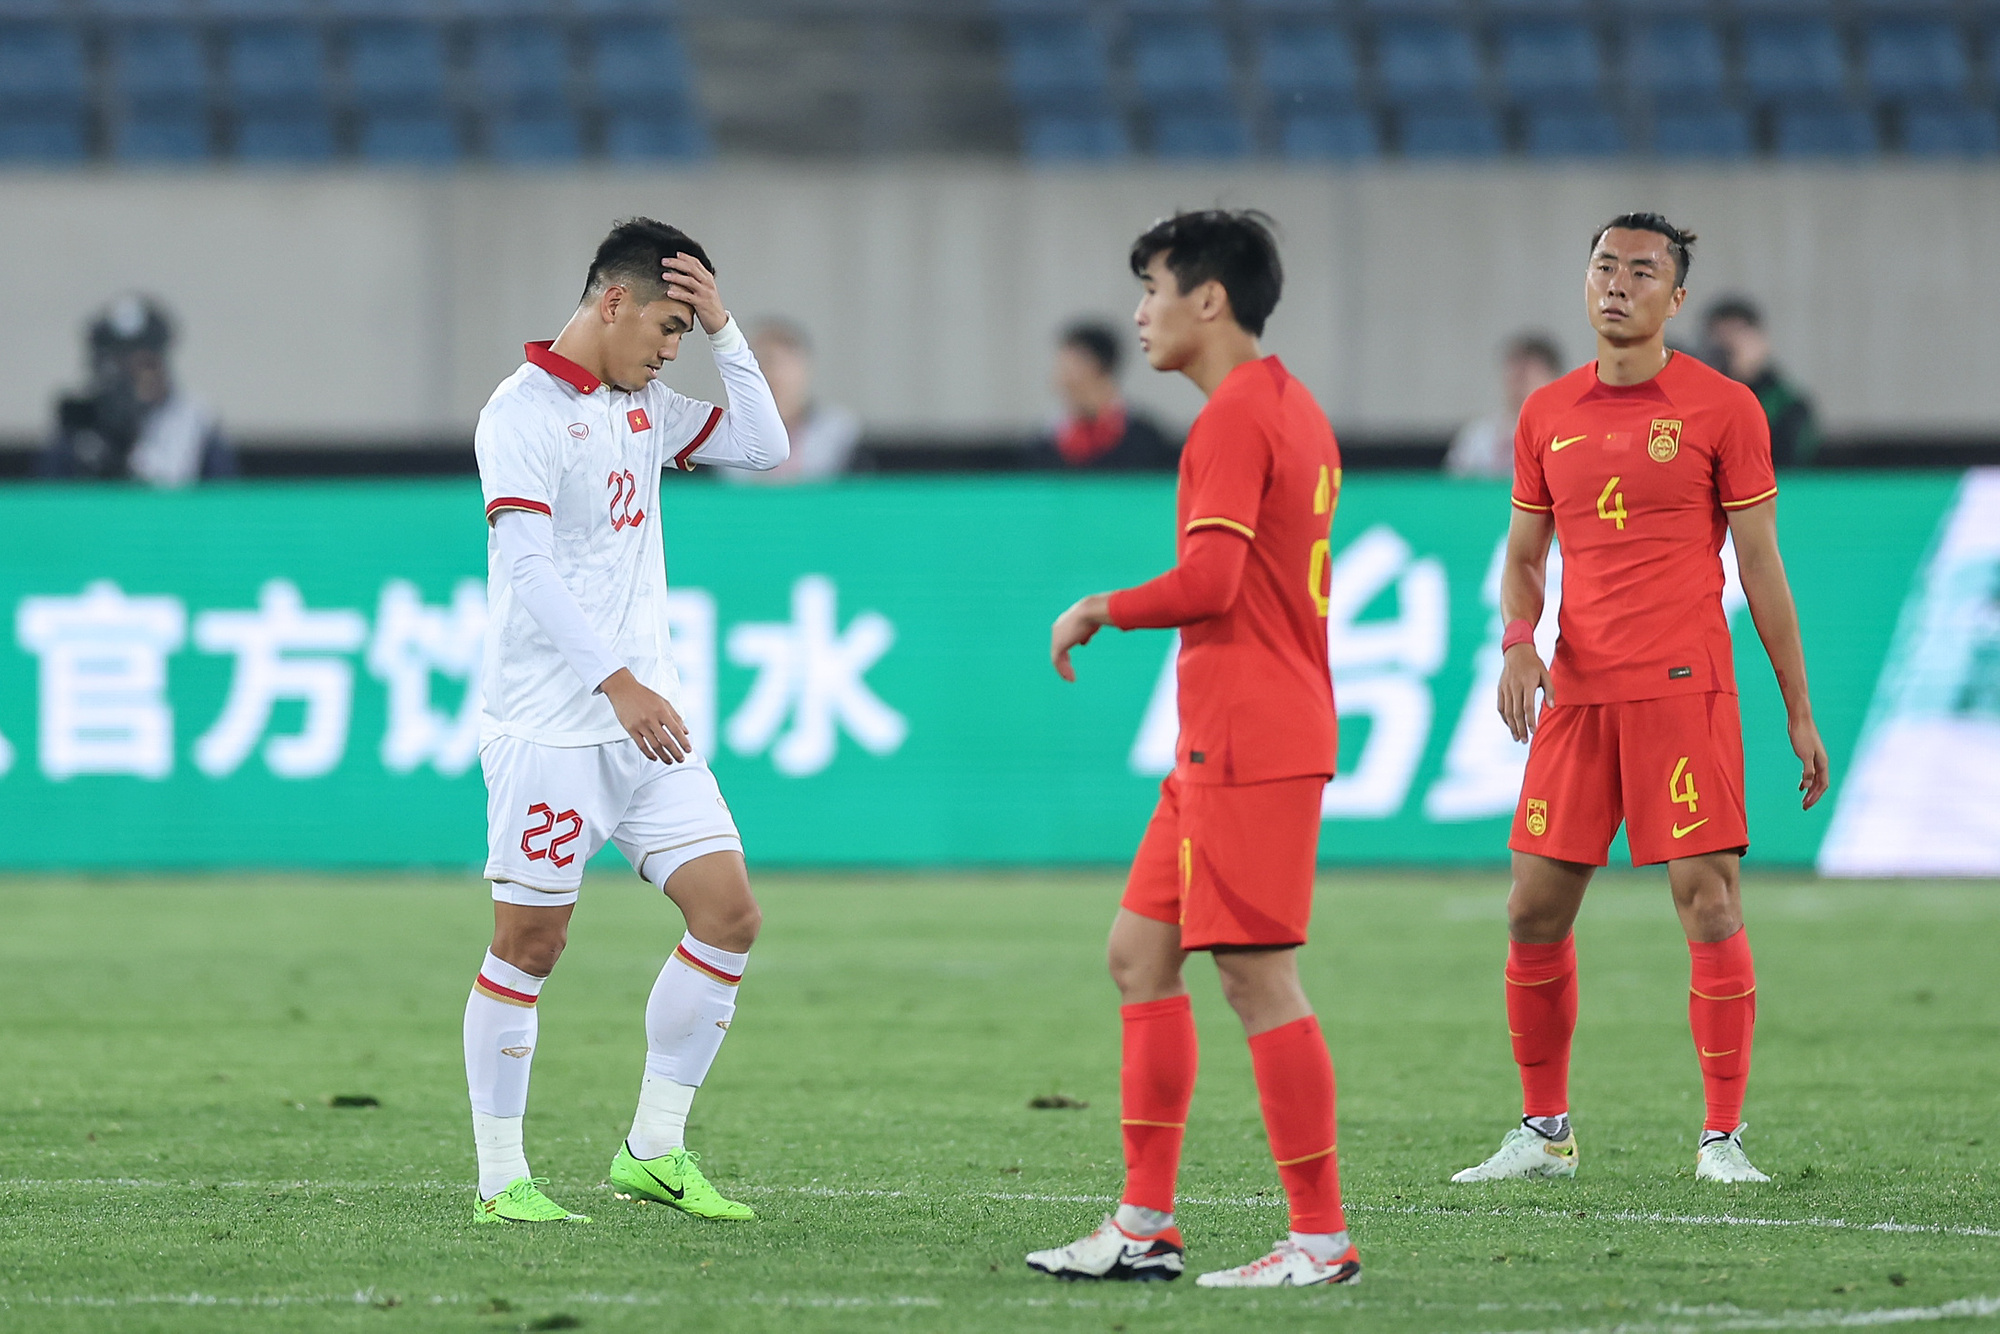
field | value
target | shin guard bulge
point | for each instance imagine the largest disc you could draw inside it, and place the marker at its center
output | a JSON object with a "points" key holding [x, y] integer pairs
{"points": [[687, 1016], [1541, 1019], [1722, 1012], [1295, 1088], [1156, 1083], [501, 1026]]}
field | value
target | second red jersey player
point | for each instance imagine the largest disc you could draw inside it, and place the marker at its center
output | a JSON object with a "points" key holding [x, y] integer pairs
{"points": [[1226, 863], [1640, 464]]}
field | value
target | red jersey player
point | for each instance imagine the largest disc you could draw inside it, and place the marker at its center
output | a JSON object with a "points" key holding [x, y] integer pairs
{"points": [[1639, 464], [1226, 864]]}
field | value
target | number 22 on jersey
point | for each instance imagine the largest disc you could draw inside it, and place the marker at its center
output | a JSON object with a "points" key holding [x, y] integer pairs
{"points": [[624, 490]]}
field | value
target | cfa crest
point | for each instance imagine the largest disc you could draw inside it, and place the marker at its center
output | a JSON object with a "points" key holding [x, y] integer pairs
{"points": [[1664, 440], [1538, 811]]}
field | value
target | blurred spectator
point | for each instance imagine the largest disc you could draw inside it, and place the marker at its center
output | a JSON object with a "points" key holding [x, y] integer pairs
{"points": [[823, 434], [1739, 347], [1485, 448], [1097, 429], [132, 421]]}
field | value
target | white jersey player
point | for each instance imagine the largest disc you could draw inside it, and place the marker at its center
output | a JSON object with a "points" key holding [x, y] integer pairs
{"points": [[582, 738]]}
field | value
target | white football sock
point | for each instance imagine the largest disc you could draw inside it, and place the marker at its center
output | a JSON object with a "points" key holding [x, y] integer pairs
{"points": [[1324, 1247], [501, 1025], [1549, 1127], [1142, 1222], [687, 1016]]}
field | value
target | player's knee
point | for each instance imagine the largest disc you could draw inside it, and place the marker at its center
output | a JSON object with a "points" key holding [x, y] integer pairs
{"points": [[532, 950], [732, 926]]}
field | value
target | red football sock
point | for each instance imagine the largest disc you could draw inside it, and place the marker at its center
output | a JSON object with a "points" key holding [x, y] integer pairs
{"points": [[1722, 1011], [1541, 1018], [1156, 1084], [1295, 1087]]}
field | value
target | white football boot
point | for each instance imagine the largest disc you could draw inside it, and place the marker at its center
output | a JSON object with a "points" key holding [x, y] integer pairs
{"points": [[1724, 1160], [1112, 1252], [1526, 1155], [1289, 1265]]}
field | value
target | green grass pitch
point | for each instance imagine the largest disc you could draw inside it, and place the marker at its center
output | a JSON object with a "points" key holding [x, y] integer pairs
{"points": [[171, 1159]]}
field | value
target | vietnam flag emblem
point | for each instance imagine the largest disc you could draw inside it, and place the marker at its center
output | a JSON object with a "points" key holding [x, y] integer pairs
{"points": [[638, 420]]}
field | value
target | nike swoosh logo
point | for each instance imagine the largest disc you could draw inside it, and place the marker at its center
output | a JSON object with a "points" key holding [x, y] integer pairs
{"points": [[1555, 445], [677, 1194], [1711, 1054], [1683, 833]]}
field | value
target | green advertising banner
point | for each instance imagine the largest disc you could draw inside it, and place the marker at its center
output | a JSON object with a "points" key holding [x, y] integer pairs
{"points": [[280, 675]]}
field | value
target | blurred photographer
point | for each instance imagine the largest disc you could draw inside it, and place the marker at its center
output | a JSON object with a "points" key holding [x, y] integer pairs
{"points": [[1098, 430], [1739, 346], [132, 422]]}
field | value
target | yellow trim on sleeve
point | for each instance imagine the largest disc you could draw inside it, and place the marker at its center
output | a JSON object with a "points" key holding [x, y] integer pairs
{"points": [[1746, 504], [1219, 522], [1521, 504]]}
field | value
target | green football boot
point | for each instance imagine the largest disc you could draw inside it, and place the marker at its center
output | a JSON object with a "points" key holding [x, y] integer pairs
{"points": [[674, 1179], [523, 1202]]}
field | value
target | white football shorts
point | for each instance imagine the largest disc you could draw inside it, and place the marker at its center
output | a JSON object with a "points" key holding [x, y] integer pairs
{"points": [[550, 808]]}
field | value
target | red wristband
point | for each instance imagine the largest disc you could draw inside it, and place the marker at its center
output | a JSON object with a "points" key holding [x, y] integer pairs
{"points": [[1517, 632]]}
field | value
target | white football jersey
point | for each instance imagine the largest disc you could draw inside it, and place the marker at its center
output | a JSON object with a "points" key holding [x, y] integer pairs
{"points": [[555, 440]]}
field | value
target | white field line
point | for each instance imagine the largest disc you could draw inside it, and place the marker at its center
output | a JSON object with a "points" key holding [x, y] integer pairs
{"points": [[1247, 1201], [1966, 1308], [374, 1297]]}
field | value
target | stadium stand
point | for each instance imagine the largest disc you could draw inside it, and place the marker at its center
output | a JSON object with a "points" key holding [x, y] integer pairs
{"points": [[555, 81]]}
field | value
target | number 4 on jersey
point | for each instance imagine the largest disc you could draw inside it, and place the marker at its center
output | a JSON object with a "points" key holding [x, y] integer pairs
{"points": [[1611, 504]]}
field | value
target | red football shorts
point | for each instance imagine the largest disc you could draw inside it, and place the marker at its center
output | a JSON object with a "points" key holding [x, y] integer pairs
{"points": [[1671, 768], [1230, 865]]}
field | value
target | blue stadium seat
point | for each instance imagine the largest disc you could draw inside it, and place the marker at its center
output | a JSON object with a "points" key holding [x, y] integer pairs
{"points": [[276, 65], [1148, 10], [1675, 57], [159, 65], [1178, 62], [1549, 61], [301, 135], [634, 137], [522, 65], [497, 9], [1040, 9], [1406, 9], [1787, 9], [1184, 135], [43, 65], [1074, 137], [534, 136], [1427, 62], [1951, 132], [1307, 65], [1315, 135], [396, 65], [1915, 59], [381, 9], [1793, 58], [1825, 132], [1905, 8], [1634, 11], [1573, 132], [1451, 134], [30, 135], [255, 9], [1715, 132], [12, 11], [143, 9], [408, 137], [1520, 9], [641, 63], [1057, 65], [1320, 9], [168, 135]]}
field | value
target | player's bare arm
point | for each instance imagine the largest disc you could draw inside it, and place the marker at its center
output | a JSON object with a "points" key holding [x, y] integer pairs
{"points": [[1523, 579], [1777, 619], [689, 280], [647, 717], [1075, 628]]}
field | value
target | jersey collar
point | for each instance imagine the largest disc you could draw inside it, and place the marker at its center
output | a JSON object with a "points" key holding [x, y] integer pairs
{"points": [[571, 374]]}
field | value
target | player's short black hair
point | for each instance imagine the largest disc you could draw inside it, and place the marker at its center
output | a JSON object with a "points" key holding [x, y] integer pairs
{"points": [[1680, 244], [1540, 346], [1233, 247], [1095, 340], [1735, 306], [631, 255]]}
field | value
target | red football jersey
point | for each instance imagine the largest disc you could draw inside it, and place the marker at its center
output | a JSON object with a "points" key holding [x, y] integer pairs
{"points": [[1256, 701], [1640, 479]]}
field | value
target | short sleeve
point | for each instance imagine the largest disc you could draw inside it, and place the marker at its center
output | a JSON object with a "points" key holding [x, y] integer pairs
{"points": [[1227, 462], [1743, 472], [518, 461], [1531, 487]]}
